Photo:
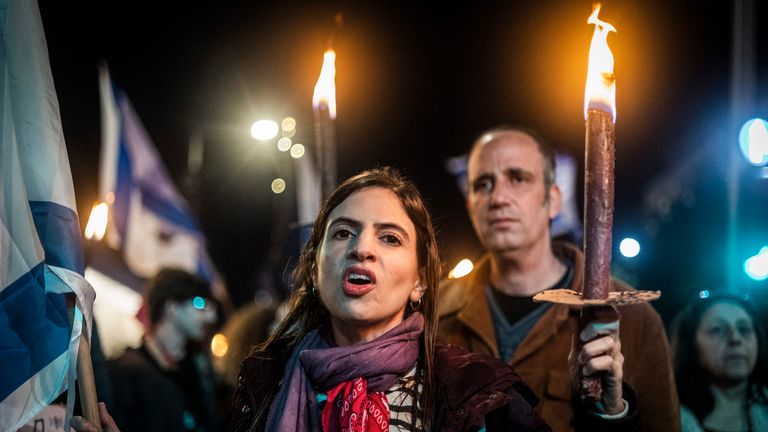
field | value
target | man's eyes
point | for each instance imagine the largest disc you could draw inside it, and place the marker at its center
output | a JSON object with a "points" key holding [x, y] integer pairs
{"points": [[483, 185]]}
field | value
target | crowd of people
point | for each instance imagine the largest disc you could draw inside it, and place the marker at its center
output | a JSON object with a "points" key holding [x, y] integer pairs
{"points": [[373, 340]]}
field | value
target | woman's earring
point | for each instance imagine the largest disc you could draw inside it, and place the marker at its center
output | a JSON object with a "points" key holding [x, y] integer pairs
{"points": [[315, 293], [415, 306]]}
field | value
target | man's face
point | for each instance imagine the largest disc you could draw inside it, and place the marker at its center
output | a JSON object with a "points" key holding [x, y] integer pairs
{"points": [[507, 201], [194, 317]]}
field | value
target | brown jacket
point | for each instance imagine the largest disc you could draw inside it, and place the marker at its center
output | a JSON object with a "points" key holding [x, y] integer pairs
{"points": [[542, 357]]}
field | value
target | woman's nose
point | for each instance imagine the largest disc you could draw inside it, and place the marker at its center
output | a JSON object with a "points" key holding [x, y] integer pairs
{"points": [[734, 337], [362, 249]]}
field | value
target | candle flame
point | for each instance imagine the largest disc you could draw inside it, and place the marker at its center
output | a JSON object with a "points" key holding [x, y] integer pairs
{"points": [[325, 89], [600, 91], [97, 222]]}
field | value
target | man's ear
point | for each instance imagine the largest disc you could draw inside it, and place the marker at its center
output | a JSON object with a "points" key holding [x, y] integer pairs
{"points": [[555, 201]]}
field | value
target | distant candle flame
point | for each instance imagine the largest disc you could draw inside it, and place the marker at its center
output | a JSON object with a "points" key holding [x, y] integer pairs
{"points": [[325, 89], [600, 91], [97, 222]]}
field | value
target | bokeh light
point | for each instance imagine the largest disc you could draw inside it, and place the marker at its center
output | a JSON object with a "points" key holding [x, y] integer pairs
{"points": [[97, 222], [264, 130], [278, 185], [462, 268], [753, 141], [288, 124], [284, 144], [297, 151], [219, 345], [629, 247], [756, 267]]}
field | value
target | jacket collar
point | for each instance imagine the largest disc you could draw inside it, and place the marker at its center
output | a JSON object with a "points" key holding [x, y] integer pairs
{"points": [[476, 316]]}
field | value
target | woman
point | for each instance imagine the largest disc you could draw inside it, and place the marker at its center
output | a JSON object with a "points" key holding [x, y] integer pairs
{"points": [[357, 349], [717, 343]]}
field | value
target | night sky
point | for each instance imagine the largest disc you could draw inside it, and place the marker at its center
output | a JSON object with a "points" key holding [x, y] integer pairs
{"points": [[415, 85]]}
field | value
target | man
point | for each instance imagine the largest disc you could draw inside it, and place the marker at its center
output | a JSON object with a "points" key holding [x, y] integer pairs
{"points": [[160, 386], [511, 199]]}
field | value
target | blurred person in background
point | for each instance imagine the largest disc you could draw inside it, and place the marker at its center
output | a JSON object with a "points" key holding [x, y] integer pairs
{"points": [[717, 343], [167, 384]]}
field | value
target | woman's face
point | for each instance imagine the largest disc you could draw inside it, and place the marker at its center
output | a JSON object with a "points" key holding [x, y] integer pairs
{"points": [[727, 344], [367, 266]]}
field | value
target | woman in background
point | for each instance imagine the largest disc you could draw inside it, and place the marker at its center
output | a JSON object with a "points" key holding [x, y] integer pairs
{"points": [[717, 343]]}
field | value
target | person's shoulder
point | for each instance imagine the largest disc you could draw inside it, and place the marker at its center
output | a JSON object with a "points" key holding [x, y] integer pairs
{"points": [[449, 295], [688, 421], [452, 293], [465, 374], [131, 358]]}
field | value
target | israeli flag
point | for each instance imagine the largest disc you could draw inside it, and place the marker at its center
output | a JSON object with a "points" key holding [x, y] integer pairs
{"points": [[41, 259], [149, 220]]}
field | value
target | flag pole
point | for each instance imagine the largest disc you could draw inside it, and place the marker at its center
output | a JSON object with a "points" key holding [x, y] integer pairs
{"points": [[87, 384]]}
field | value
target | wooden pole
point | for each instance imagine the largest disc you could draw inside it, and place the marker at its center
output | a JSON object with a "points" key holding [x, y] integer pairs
{"points": [[87, 384]]}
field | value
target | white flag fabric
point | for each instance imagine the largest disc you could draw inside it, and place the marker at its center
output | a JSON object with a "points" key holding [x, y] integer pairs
{"points": [[41, 255], [149, 220]]}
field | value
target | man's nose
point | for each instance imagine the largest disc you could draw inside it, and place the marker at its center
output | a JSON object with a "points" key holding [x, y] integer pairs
{"points": [[500, 195]]}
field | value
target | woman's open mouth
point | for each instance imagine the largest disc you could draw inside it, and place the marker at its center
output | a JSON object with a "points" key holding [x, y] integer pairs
{"points": [[358, 281]]}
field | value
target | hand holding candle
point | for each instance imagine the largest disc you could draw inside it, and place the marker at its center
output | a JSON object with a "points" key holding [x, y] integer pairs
{"points": [[600, 112]]}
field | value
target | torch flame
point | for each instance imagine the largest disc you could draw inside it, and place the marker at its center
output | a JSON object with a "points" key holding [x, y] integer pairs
{"points": [[325, 89], [97, 222], [600, 91]]}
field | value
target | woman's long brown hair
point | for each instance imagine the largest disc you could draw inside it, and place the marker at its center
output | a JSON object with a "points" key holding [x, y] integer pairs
{"points": [[307, 311]]}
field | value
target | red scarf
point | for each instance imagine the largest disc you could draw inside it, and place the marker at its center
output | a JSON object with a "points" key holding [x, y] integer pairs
{"points": [[350, 408]]}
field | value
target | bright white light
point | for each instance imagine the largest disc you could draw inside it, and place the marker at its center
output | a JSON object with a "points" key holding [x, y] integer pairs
{"points": [[629, 247], [284, 144], [463, 268], [704, 294], [756, 266], [753, 141], [278, 185], [264, 130], [297, 151]]}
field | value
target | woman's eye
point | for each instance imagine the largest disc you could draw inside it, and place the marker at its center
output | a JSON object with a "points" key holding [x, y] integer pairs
{"points": [[716, 331], [342, 234], [392, 239], [745, 331]]}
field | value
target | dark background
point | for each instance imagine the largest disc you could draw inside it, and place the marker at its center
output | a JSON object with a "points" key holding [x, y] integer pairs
{"points": [[416, 83]]}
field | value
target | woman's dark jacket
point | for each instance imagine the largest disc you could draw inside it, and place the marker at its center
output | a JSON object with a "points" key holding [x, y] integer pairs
{"points": [[472, 390]]}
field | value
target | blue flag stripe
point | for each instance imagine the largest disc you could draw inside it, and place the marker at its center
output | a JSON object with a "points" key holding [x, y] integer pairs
{"points": [[58, 229], [30, 342], [167, 210], [123, 184]]}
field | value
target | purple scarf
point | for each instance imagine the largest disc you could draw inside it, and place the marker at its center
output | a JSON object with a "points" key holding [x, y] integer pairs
{"points": [[313, 363]]}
